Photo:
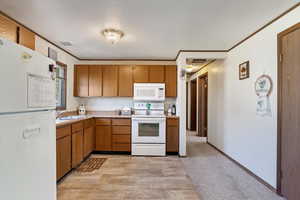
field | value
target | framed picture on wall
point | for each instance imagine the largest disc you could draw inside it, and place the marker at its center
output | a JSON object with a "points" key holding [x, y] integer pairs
{"points": [[52, 54], [244, 70]]}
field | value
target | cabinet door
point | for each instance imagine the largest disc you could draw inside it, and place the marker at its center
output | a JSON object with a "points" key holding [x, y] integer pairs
{"points": [[172, 135], [125, 81], [95, 81], [77, 148], [63, 156], [156, 74], [171, 81], [8, 29], [81, 81], [110, 81], [89, 141], [26, 38], [103, 138], [141, 74]]}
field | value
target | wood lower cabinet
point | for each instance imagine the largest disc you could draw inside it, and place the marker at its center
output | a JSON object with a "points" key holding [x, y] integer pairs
{"points": [[103, 134], [81, 81], [125, 81], [171, 81], [156, 74], [110, 81], [121, 135], [172, 135], [63, 151], [89, 137], [77, 148]]}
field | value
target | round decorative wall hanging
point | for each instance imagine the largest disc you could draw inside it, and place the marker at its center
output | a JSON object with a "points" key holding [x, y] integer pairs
{"points": [[263, 86]]}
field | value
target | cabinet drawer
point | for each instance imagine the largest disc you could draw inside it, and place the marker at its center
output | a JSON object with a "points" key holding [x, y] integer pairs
{"points": [[88, 123], [121, 130], [121, 122], [103, 121], [121, 147], [121, 139], [77, 127], [63, 131], [172, 122]]}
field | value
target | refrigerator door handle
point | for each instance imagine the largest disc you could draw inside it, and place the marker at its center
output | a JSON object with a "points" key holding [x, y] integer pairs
{"points": [[30, 132]]}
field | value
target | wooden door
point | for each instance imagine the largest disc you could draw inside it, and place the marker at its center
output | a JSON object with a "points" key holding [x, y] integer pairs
{"points": [[63, 156], [88, 141], [81, 81], [26, 38], [103, 138], [193, 108], [289, 113], [171, 81], [95, 81], [8, 29], [125, 81], [77, 148], [141, 74], [202, 105], [172, 135], [157, 74], [110, 81]]}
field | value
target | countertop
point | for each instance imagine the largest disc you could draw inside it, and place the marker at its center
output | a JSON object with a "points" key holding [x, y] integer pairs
{"points": [[98, 114]]}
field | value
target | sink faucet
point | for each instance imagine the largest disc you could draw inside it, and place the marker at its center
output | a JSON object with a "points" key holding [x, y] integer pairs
{"points": [[60, 113]]}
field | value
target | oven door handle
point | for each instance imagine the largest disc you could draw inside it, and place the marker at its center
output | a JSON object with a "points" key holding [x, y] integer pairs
{"points": [[149, 120]]}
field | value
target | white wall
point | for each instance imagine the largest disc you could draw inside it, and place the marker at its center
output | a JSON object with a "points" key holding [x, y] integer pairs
{"points": [[233, 125], [42, 46]]}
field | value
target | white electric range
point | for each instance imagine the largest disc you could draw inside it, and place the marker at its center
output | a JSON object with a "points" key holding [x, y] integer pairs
{"points": [[148, 129]]}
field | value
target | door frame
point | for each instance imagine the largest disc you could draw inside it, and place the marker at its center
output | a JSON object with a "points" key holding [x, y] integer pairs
{"points": [[279, 100], [198, 103]]}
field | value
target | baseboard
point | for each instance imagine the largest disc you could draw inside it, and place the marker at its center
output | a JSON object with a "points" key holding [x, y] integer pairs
{"points": [[245, 169]]}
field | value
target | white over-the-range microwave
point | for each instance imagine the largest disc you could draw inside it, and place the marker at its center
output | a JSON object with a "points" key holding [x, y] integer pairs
{"points": [[149, 92]]}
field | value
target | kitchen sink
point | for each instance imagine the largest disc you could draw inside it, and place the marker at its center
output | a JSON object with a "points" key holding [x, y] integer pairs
{"points": [[74, 117]]}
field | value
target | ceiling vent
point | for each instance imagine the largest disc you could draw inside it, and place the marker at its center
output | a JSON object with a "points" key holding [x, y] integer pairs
{"points": [[195, 61], [66, 44]]}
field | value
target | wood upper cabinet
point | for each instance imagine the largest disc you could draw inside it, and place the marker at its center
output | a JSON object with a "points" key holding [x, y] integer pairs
{"points": [[172, 135], [77, 148], [81, 80], [95, 81], [171, 81], [26, 38], [110, 81], [141, 74], [8, 29], [125, 81], [156, 74]]}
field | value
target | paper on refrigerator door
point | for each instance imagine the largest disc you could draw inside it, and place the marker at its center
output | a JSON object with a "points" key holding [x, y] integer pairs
{"points": [[41, 91]]}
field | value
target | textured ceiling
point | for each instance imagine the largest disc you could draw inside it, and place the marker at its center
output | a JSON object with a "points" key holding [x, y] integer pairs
{"points": [[154, 29]]}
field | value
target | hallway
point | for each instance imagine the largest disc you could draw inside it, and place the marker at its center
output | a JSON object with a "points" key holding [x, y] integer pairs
{"points": [[217, 178]]}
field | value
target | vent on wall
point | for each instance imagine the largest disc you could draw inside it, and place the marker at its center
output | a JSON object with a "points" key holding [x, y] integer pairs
{"points": [[66, 44], [195, 61]]}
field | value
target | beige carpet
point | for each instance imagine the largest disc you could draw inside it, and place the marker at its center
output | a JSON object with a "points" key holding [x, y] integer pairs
{"points": [[217, 178]]}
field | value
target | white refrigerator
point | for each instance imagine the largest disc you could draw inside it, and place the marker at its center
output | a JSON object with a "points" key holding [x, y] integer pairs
{"points": [[27, 124]]}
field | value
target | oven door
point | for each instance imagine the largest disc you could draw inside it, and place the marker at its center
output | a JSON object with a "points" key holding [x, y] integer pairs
{"points": [[149, 130]]}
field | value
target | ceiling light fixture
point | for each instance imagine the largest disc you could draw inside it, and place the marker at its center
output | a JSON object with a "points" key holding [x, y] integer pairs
{"points": [[112, 35]]}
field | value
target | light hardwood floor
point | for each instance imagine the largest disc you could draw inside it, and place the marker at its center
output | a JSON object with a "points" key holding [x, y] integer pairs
{"points": [[126, 177]]}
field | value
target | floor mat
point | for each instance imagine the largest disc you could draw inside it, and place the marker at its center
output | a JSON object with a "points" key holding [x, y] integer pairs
{"points": [[90, 165]]}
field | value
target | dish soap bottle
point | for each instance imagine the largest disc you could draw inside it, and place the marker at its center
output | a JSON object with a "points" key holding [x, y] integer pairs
{"points": [[81, 110], [173, 110]]}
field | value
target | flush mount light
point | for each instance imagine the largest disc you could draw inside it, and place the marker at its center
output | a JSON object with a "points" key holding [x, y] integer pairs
{"points": [[112, 35]]}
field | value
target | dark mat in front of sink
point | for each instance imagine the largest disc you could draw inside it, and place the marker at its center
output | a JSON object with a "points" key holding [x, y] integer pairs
{"points": [[90, 165]]}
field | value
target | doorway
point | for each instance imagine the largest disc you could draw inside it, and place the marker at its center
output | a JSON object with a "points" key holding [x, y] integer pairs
{"points": [[193, 105], [288, 162], [202, 105]]}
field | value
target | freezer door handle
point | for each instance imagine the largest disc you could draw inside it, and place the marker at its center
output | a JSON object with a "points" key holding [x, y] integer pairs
{"points": [[30, 132]]}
